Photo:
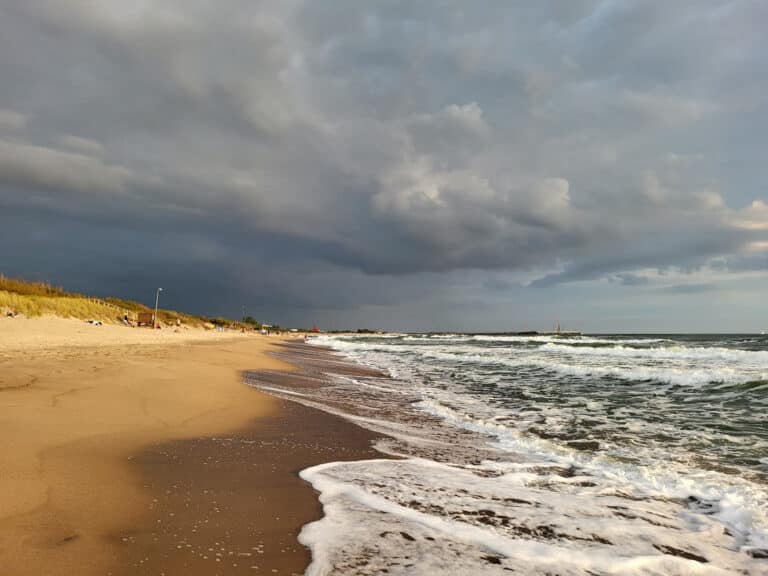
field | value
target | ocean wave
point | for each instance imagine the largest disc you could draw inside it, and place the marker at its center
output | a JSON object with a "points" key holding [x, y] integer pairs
{"points": [[741, 504], [680, 375], [758, 358], [678, 365], [572, 340]]}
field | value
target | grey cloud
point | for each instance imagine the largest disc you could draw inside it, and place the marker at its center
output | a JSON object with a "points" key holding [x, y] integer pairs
{"points": [[450, 136], [693, 288], [383, 143], [11, 120], [81, 145], [754, 262], [463, 221], [666, 109], [39, 167], [628, 279]]}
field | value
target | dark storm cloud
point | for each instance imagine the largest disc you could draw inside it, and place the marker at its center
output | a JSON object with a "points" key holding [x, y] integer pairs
{"points": [[361, 153]]}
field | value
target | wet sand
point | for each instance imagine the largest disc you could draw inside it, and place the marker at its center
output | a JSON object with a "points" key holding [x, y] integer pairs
{"points": [[234, 504]]}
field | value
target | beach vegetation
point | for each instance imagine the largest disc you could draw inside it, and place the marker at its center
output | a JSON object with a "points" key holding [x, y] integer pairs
{"points": [[18, 296], [64, 306], [29, 288]]}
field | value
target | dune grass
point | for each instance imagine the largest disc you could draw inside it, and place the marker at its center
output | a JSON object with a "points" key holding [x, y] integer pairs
{"points": [[25, 287], [64, 306], [40, 298]]}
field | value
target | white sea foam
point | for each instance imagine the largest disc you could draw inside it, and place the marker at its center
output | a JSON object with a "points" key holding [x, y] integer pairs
{"points": [[741, 505], [683, 376], [603, 365], [422, 337], [490, 518], [697, 353], [276, 390], [685, 365], [578, 340], [370, 340]]}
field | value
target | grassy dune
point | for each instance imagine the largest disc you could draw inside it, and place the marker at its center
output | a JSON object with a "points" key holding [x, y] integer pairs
{"points": [[19, 286], [64, 306], [40, 298]]}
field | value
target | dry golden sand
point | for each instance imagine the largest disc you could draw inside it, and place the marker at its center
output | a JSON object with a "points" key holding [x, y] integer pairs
{"points": [[83, 409], [33, 335]]}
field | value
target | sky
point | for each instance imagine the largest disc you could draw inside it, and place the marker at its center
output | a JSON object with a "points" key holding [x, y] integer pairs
{"points": [[399, 165]]}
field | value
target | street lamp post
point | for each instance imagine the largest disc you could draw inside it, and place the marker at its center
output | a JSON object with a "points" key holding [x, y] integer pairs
{"points": [[157, 301]]}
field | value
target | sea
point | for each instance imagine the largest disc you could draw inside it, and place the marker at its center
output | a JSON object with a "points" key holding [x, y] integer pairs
{"points": [[543, 454]]}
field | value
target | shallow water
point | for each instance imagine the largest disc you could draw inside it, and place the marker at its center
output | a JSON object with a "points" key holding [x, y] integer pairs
{"points": [[536, 455]]}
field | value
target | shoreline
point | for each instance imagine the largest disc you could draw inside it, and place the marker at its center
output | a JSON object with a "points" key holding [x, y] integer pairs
{"points": [[93, 436], [479, 487]]}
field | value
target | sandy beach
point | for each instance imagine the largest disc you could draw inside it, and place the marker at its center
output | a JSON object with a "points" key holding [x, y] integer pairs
{"points": [[116, 444]]}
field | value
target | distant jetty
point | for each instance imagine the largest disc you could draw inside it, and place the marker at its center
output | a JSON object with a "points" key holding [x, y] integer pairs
{"points": [[537, 333]]}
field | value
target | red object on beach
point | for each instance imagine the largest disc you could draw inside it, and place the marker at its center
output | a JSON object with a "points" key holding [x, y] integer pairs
{"points": [[315, 328]]}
